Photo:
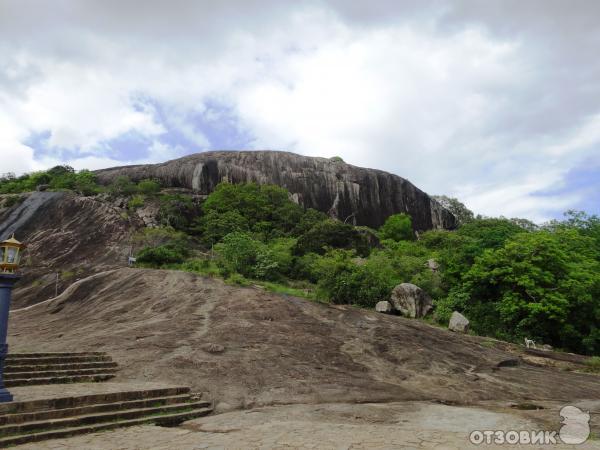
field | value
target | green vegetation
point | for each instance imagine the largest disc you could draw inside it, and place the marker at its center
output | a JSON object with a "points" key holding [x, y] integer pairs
{"points": [[512, 279], [593, 364]]}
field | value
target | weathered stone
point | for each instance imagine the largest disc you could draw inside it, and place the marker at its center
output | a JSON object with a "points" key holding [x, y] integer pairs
{"points": [[383, 307], [42, 187], [213, 348], [546, 347], [458, 323], [362, 196], [411, 300], [432, 265]]}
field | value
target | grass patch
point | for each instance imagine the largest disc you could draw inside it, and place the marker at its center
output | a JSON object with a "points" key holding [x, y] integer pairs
{"points": [[593, 364]]}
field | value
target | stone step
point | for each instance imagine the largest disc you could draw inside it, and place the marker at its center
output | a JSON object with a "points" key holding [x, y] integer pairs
{"points": [[34, 416], [53, 354], [162, 419], [91, 399], [67, 366], [57, 373], [63, 379], [56, 360], [90, 419]]}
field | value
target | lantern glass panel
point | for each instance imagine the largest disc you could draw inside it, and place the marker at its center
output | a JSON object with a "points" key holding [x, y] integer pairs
{"points": [[1, 254], [11, 255]]}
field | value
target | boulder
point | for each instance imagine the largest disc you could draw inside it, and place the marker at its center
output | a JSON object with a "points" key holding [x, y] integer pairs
{"points": [[42, 187], [432, 265], [458, 323], [411, 301], [383, 307], [546, 348]]}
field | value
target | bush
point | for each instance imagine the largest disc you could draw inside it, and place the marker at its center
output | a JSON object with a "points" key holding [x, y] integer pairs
{"points": [[343, 281], [214, 226], [137, 201], [12, 200], [122, 186], [159, 256], [148, 187], [177, 211], [331, 234], [397, 227], [593, 364]]}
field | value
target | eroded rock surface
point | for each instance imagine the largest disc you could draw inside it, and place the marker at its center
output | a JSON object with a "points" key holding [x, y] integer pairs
{"points": [[358, 195]]}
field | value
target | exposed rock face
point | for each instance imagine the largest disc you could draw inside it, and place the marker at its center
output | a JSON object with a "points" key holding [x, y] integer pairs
{"points": [[65, 234], [458, 323], [354, 194], [411, 301]]}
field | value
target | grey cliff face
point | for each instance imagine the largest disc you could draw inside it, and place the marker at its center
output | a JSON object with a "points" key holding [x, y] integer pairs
{"points": [[348, 193]]}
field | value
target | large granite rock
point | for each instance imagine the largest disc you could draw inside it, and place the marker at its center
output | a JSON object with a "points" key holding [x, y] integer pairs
{"points": [[458, 323], [354, 194], [410, 300]]}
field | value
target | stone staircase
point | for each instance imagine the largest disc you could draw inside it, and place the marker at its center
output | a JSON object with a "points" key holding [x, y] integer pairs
{"points": [[26, 369], [38, 420]]}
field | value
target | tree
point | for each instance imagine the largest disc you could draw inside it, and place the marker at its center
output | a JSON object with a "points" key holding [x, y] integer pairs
{"points": [[331, 234], [458, 209], [397, 227], [542, 285], [122, 185]]}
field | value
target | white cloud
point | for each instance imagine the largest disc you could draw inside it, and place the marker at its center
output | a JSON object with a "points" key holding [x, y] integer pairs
{"points": [[458, 99]]}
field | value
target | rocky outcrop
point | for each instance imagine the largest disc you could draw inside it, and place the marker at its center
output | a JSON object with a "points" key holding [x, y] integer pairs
{"points": [[411, 301], [349, 193], [68, 235]]}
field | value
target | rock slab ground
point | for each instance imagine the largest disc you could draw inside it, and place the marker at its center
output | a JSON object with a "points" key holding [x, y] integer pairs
{"points": [[408, 425]]}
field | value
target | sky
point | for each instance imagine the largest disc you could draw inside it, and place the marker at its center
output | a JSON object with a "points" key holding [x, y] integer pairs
{"points": [[496, 103]]}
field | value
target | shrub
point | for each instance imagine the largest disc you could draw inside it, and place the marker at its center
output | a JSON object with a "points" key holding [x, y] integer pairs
{"points": [[148, 187], [161, 255], [593, 364], [343, 281], [397, 227], [12, 200], [122, 186], [177, 211], [331, 234], [137, 201]]}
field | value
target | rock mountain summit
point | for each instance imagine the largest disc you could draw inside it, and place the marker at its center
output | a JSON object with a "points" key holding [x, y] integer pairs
{"points": [[348, 193]]}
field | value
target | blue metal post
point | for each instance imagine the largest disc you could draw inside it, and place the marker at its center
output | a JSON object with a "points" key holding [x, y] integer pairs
{"points": [[7, 281]]}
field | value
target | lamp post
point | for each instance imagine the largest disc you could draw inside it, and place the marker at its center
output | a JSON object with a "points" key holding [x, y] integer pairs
{"points": [[10, 255]]}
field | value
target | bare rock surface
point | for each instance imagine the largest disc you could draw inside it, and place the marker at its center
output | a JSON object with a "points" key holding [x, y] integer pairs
{"points": [[68, 235], [390, 426], [278, 349], [360, 195], [410, 300]]}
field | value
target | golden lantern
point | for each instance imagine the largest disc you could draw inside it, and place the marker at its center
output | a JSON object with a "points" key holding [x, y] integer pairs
{"points": [[10, 254]]}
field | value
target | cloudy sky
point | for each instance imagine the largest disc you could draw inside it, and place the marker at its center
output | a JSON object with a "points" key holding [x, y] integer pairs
{"points": [[494, 102]]}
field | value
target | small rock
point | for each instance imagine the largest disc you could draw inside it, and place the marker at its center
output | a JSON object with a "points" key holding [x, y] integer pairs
{"points": [[213, 348], [546, 348], [458, 323], [383, 307], [432, 265], [411, 301], [42, 187]]}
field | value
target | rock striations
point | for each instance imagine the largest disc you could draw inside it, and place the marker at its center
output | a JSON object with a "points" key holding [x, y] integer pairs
{"points": [[349, 193]]}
